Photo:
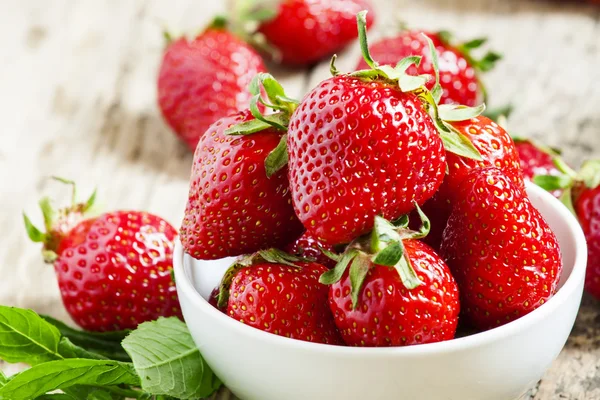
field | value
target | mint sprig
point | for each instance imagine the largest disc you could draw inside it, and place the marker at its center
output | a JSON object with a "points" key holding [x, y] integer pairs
{"points": [[165, 362]]}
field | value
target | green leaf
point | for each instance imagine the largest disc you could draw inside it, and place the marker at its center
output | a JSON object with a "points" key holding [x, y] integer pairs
{"points": [[107, 344], [248, 127], [590, 173], [334, 275], [99, 395], [277, 121], [488, 62], [330, 254], [3, 378], [358, 272], [47, 212], [90, 201], [401, 222], [33, 232], [277, 158], [408, 83], [58, 396], [277, 256], [451, 112], [383, 234], [553, 182], [67, 349], [436, 91], [168, 362], [567, 199], [409, 277], [425, 224], [473, 44], [63, 374], [361, 19], [332, 68], [25, 337], [457, 143], [390, 255]]}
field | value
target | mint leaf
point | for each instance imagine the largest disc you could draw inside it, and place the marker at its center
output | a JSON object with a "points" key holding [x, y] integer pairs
{"points": [[62, 374], [3, 379], [168, 362], [107, 344], [57, 396], [68, 350], [27, 338]]}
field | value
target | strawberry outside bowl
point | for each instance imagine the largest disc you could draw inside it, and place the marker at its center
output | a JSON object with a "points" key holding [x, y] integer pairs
{"points": [[500, 364]]}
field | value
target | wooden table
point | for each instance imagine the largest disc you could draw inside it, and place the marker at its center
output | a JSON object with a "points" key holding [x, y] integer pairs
{"points": [[77, 97]]}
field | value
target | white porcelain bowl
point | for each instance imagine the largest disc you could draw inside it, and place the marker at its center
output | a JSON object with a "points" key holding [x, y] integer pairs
{"points": [[500, 364]]}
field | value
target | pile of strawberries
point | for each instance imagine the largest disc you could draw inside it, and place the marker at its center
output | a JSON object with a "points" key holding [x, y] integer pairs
{"points": [[381, 210]]}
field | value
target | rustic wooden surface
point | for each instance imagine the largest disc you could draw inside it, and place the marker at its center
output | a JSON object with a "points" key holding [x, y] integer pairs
{"points": [[77, 99]]}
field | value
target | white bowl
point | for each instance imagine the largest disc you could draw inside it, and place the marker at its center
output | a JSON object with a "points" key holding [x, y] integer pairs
{"points": [[499, 364]]}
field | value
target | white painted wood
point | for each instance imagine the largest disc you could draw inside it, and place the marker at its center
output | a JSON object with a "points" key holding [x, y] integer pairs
{"points": [[77, 99]]}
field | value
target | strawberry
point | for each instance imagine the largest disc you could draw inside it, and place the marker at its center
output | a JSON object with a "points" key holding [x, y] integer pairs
{"points": [[581, 194], [308, 247], [501, 251], [496, 148], [458, 68], [397, 292], [113, 270], [364, 144], [237, 203], [302, 32], [537, 160], [281, 294], [205, 79]]}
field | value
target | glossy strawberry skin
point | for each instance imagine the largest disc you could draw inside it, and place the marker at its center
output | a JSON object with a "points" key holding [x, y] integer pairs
{"points": [[535, 161], [501, 251], [306, 31], [497, 150], [114, 271], [308, 247], [359, 149], [203, 80], [587, 207], [457, 77], [233, 208], [388, 314], [284, 300]]}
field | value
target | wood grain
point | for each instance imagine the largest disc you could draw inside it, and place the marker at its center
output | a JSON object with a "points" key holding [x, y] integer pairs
{"points": [[77, 84]]}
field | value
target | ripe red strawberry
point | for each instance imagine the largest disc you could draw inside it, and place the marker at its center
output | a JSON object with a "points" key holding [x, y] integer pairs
{"points": [[364, 144], [501, 251], [587, 206], [277, 293], [308, 247], [398, 291], [233, 207], [205, 79], [305, 31], [496, 148], [114, 270], [458, 68], [537, 160]]}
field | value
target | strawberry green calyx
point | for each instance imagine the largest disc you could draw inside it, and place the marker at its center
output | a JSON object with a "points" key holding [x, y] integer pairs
{"points": [[273, 256], [483, 64], [57, 223], [278, 101], [453, 140], [384, 246]]}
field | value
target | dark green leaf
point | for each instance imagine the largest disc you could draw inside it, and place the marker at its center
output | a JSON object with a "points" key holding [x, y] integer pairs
{"points": [[68, 350], [107, 344], [277, 158], [473, 44], [27, 338], [358, 272], [390, 255], [590, 173], [330, 254], [99, 395], [488, 61], [61, 374], [334, 275], [401, 222], [451, 112], [33, 232], [168, 362], [58, 396], [425, 224], [277, 256], [553, 182], [409, 277]]}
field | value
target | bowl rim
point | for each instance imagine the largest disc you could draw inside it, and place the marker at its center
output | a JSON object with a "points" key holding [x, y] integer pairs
{"points": [[571, 285]]}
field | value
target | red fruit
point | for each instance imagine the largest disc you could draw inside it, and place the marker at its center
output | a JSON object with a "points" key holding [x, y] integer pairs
{"points": [[308, 247], [306, 31], [389, 314], [358, 149], [114, 270], [458, 70], [205, 79], [502, 252], [536, 160], [496, 148], [233, 208], [587, 207], [283, 297]]}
